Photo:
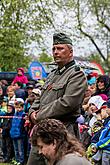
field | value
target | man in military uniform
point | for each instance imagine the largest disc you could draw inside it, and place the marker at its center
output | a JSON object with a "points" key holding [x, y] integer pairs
{"points": [[63, 91]]}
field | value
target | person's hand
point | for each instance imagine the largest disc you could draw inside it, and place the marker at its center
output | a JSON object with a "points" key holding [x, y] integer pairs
{"points": [[0, 130], [34, 117], [85, 107], [94, 149], [27, 122], [26, 117]]}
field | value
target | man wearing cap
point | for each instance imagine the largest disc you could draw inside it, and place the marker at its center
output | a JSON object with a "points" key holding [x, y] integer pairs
{"points": [[63, 91]]}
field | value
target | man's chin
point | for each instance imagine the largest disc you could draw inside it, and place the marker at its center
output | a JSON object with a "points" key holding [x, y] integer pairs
{"points": [[57, 60]]}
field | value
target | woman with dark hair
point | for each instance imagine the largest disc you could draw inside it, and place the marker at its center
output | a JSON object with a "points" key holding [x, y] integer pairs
{"points": [[56, 144], [103, 85]]}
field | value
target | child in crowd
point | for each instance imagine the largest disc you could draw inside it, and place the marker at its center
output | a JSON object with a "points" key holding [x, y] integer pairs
{"points": [[29, 89], [17, 131], [102, 146], [92, 116], [1, 93], [7, 145], [95, 103], [20, 77], [11, 93], [36, 93], [85, 106], [4, 85], [4, 105], [3, 108], [19, 91]]}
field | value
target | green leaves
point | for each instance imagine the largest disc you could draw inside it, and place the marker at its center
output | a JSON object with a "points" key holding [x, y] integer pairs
{"points": [[44, 57], [21, 22]]}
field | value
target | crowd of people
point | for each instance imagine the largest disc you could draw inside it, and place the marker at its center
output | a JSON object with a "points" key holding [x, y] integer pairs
{"points": [[64, 120], [95, 129], [15, 101]]}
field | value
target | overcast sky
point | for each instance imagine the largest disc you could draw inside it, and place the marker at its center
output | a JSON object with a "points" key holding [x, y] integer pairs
{"points": [[82, 47]]}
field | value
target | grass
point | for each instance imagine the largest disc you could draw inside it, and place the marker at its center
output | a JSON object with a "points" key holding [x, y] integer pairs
{"points": [[5, 164]]}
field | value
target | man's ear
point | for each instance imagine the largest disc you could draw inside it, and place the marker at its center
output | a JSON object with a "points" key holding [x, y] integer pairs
{"points": [[54, 143], [71, 51]]}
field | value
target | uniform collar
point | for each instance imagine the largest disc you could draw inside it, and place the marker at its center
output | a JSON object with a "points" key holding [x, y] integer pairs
{"points": [[66, 66]]}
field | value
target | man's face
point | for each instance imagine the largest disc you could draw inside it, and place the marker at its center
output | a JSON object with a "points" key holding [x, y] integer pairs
{"points": [[48, 150], [62, 54]]}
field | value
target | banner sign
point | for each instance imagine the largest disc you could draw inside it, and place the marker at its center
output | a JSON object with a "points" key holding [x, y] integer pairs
{"points": [[37, 71]]}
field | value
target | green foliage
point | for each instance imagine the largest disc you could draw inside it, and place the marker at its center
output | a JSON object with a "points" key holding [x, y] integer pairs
{"points": [[12, 50], [21, 22], [95, 57], [44, 57], [25, 21], [12, 36]]}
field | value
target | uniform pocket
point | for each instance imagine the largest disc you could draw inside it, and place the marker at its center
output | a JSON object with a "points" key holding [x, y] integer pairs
{"points": [[59, 89], [58, 86]]}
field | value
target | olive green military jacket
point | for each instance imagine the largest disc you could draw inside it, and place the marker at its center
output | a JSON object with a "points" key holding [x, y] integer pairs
{"points": [[62, 94]]}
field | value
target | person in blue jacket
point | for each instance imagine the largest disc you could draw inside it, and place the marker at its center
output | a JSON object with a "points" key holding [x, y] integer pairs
{"points": [[17, 131], [104, 145]]}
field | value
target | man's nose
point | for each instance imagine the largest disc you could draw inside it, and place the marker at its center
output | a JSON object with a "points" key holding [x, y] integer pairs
{"points": [[56, 51]]}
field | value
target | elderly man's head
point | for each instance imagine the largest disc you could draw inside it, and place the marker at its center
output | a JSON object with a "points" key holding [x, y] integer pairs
{"points": [[62, 49]]}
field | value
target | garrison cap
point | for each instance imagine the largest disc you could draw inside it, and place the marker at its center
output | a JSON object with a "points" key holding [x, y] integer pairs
{"points": [[61, 38]]}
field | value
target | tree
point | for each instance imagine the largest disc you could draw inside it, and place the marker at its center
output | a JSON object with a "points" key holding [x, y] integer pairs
{"points": [[21, 22], [12, 36], [31, 20], [88, 20], [100, 11], [44, 57]]}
